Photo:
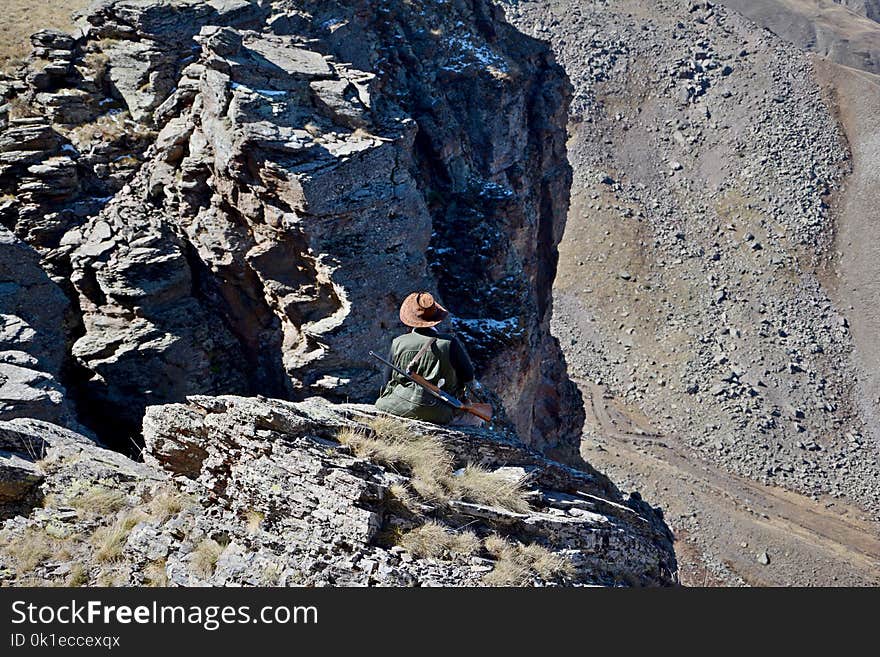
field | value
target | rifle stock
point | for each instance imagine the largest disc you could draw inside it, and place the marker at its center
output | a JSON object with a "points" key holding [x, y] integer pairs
{"points": [[478, 410]]}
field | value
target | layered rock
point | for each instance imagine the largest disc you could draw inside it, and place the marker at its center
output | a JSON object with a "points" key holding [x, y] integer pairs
{"points": [[235, 198], [263, 492], [81, 116], [33, 315]]}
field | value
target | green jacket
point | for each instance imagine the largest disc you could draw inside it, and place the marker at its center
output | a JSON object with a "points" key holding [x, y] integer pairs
{"points": [[402, 397]]}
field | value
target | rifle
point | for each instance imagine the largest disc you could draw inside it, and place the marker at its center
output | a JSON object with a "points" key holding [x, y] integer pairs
{"points": [[482, 411]]}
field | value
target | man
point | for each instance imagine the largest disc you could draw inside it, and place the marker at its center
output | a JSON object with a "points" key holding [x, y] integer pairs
{"points": [[438, 357]]}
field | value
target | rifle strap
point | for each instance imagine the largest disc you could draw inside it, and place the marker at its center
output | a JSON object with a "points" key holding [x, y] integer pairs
{"points": [[421, 353]]}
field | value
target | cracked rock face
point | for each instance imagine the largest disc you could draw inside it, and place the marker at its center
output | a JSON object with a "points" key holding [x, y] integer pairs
{"points": [[32, 320], [265, 488]]}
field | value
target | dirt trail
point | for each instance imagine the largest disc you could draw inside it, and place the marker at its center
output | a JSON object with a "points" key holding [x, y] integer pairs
{"points": [[737, 520]]}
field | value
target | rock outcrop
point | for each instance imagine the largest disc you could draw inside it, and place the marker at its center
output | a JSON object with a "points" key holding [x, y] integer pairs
{"points": [[260, 491]]}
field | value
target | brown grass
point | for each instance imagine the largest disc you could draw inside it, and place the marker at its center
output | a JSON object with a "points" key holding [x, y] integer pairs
{"points": [[110, 578], [517, 564], [106, 128], [254, 520], [30, 549], [395, 444], [78, 576], [399, 445], [478, 485], [155, 573], [436, 541], [204, 557], [98, 500], [110, 540], [168, 502]]}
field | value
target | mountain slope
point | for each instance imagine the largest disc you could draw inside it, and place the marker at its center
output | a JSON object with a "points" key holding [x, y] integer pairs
{"points": [[696, 296], [847, 32]]}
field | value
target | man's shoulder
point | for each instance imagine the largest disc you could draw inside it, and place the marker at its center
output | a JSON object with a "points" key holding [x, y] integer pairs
{"points": [[414, 337]]}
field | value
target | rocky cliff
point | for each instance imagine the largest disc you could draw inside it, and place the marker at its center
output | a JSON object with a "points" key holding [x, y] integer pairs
{"points": [[235, 196]]}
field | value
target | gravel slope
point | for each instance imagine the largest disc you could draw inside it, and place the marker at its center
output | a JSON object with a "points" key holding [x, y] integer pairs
{"points": [[697, 274]]}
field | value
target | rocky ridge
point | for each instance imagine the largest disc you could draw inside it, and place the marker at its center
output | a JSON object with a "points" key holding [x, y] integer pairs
{"points": [[247, 491], [32, 339]]}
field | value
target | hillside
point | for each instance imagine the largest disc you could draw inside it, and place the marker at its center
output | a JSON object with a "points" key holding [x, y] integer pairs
{"points": [[712, 294], [21, 18], [844, 31]]}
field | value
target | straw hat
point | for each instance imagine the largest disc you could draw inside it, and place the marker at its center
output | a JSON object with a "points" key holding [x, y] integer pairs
{"points": [[420, 310]]}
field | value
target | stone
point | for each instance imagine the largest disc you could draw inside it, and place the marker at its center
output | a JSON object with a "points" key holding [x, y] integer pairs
{"points": [[33, 318], [282, 502], [19, 482], [339, 101]]}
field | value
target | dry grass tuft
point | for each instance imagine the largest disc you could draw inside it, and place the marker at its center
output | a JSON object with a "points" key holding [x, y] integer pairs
{"points": [[110, 578], [433, 540], [30, 549], [402, 494], [110, 540], [478, 485], [204, 557], [361, 133], [517, 564], [395, 444], [168, 502], [155, 574], [110, 127], [99, 501], [78, 576], [391, 428], [19, 108], [254, 520]]}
